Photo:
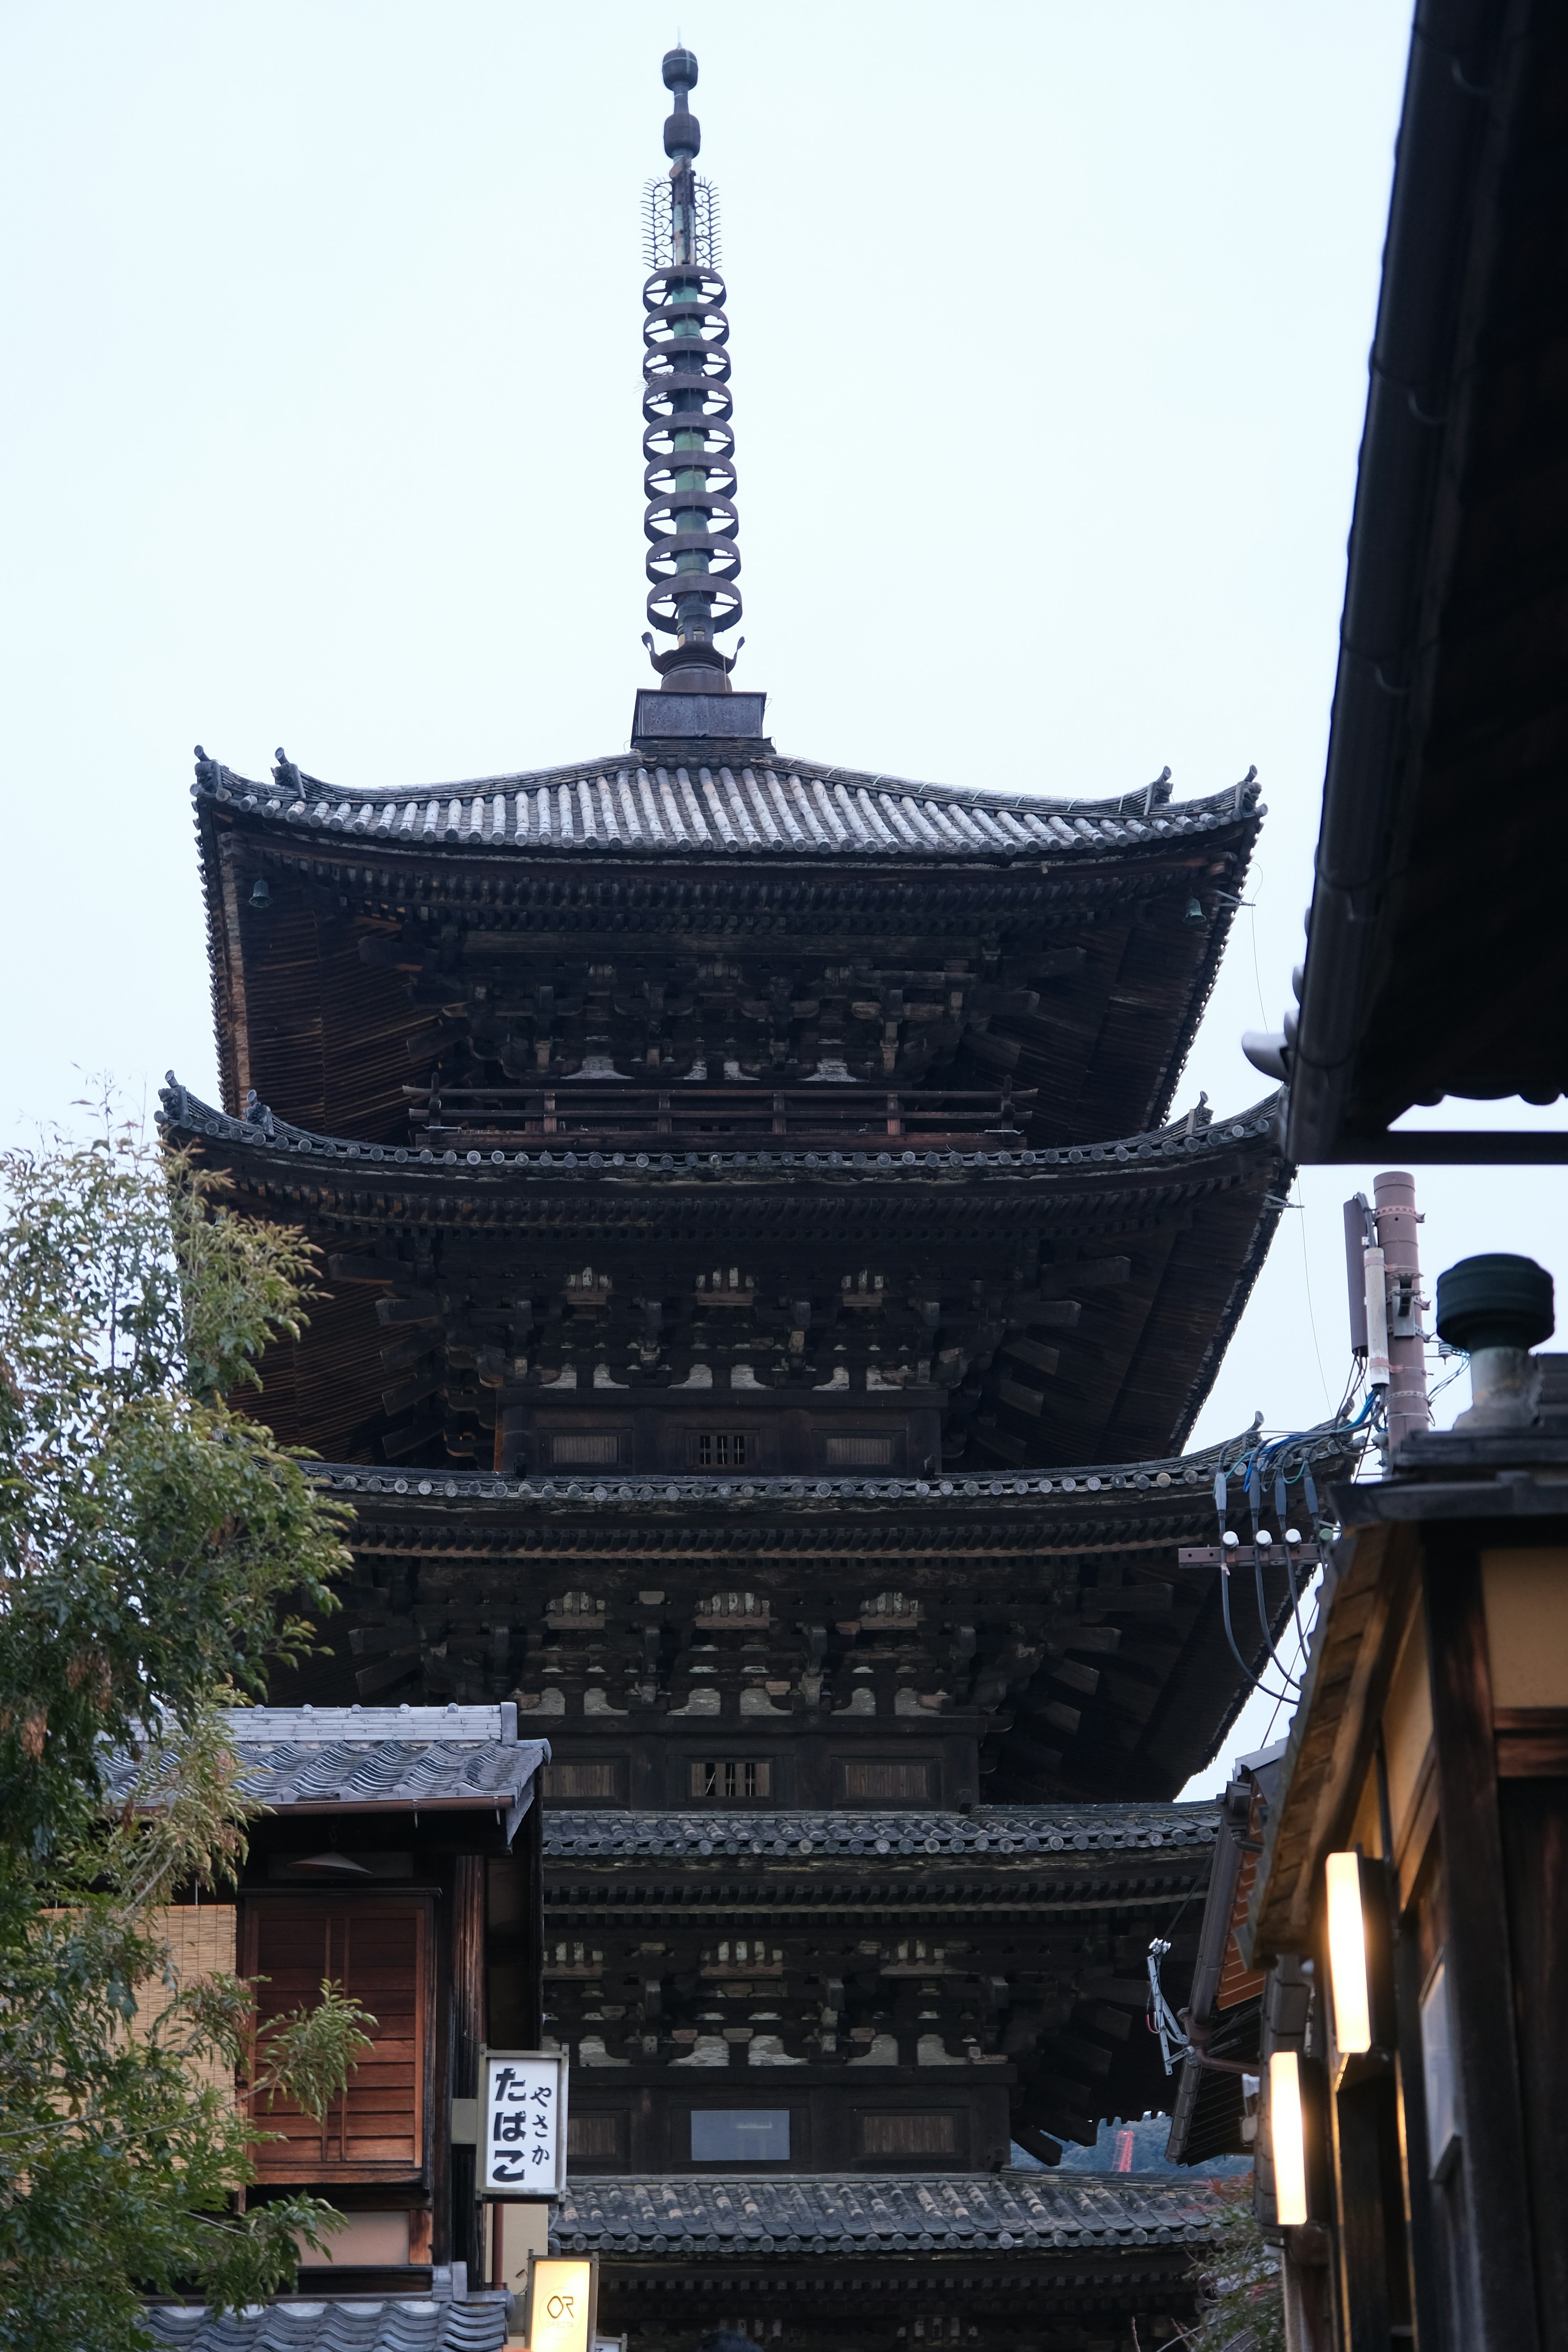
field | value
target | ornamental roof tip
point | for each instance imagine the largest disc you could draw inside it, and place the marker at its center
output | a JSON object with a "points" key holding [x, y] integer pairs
{"points": [[767, 807], [997, 1830], [1185, 1139], [881, 2213]]}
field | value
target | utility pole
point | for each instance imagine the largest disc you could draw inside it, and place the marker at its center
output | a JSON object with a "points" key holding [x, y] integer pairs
{"points": [[1383, 1271]]}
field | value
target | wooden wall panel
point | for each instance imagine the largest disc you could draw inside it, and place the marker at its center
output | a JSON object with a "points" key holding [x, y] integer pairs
{"points": [[378, 1949]]}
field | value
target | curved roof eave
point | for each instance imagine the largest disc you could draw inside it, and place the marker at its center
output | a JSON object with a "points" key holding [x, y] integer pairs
{"points": [[767, 807], [1175, 1149]]}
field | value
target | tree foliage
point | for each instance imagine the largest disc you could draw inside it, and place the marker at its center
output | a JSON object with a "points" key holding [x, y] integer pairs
{"points": [[1240, 2302], [157, 1549]]}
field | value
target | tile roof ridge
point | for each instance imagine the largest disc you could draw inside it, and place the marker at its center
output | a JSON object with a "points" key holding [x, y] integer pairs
{"points": [[217, 780], [1179, 1473], [181, 1108]]}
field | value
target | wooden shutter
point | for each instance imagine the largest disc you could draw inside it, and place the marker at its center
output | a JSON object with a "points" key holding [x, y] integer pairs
{"points": [[907, 2134], [869, 1782], [574, 1784], [378, 1949]]}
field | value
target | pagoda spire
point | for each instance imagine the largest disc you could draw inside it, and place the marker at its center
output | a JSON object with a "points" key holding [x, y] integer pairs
{"points": [[689, 443]]}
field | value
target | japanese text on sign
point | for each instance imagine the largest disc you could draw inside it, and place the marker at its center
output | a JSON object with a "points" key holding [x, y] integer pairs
{"points": [[523, 2126]]}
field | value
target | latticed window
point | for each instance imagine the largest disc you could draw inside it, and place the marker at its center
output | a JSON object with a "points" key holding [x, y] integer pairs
{"points": [[722, 1449], [379, 1949], [733, 1779]]}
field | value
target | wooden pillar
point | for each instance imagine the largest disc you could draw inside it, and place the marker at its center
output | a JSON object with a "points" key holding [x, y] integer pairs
{"points": [[1479, 1963], [1535, 1848], [468, 2035], [528, 1848]]}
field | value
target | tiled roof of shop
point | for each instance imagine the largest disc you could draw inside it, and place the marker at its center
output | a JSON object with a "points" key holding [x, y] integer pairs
{"points": [[376, 1759], [991, 1830], [389, 2324], [862, 2214], [765, 807]]}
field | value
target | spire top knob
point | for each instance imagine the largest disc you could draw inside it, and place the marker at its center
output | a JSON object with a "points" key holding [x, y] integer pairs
{"points": [[682, 132]]}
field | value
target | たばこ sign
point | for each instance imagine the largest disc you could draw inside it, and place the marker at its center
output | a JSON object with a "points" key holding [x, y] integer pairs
{"points": [[522, 2124]]}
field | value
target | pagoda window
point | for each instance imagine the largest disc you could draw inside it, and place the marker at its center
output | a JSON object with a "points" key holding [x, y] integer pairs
{"points": [[586, 1448], [734, 1781], [578, 1784], [858, 1453], [876, 1782], [597, 2136], [909, 2134], [739, 2135], [722, 1449]]}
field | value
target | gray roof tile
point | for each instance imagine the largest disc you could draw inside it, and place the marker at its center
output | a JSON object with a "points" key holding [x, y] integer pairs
{"points": [[623, 803], [383, 2324], [991, 1830], [368, 1759], [1172, 1148], [929, 2213]]}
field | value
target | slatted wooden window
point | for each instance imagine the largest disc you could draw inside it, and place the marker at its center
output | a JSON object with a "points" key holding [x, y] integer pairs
{"points": [[867, 1783], [909, 2134], [858, 1453], [586, 1448], [378, 1949], [576, 1784], [732, 1780]]}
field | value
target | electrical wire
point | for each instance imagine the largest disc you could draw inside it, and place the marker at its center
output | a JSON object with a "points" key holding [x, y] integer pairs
{"points": [[1260, 1456]]}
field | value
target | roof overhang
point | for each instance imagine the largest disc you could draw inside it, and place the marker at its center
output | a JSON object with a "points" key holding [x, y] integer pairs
{"points": [[1437, 952]]}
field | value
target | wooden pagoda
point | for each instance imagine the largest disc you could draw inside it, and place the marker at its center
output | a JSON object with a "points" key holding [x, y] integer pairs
{"points": [[769, 1291]]}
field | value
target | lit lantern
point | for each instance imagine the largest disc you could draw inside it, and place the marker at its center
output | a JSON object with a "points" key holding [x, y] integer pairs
{"points": [[1348, 1956], [1288, 2138], [561, 2303]]}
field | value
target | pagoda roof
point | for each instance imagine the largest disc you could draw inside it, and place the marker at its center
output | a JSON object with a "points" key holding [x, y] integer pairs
{"points": [[1160, 1151], [879, 2213], [719, 928], [1175, 1221], [1084, 1836], [761, 808], [1105, 1545], [1094, 1504]]}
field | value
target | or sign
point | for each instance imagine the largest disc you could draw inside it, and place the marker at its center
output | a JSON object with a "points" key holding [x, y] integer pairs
{"points": [[522, 2124], [563, 2301]]}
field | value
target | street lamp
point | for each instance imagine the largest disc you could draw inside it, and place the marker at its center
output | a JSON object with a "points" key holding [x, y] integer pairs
{"points": [[1288, 2138], [1347, 1957]]}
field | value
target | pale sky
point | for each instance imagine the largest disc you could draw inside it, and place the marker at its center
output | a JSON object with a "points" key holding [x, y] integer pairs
{"points": [[320, 426]]}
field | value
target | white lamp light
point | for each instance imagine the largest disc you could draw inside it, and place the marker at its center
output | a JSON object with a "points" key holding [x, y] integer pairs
{"points": [[1347, 1955], [1288, 2138]]}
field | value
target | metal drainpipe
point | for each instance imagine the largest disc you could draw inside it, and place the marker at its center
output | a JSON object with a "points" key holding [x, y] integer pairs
{"points": [[1394, 1211]]}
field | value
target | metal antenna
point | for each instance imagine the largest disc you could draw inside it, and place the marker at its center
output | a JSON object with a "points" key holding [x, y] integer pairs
{"points": [[690, 520]]}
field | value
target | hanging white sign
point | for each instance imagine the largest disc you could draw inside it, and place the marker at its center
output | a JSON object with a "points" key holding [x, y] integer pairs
{"points": [[522, 2124]]}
